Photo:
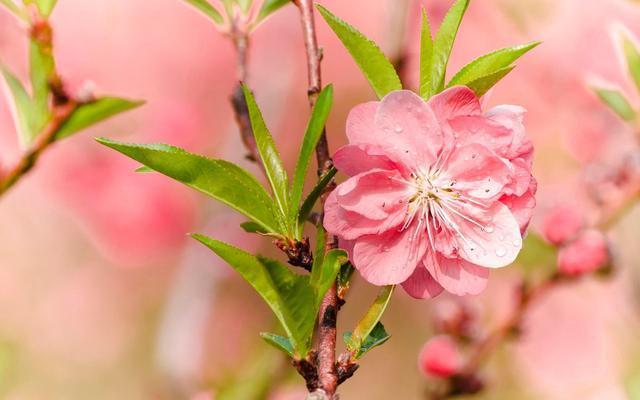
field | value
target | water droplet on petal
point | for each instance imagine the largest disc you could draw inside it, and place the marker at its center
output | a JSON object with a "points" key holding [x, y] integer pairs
{"points": [[501, 252], [489, 228], [398, 129], [517, 243], [501, 238]]}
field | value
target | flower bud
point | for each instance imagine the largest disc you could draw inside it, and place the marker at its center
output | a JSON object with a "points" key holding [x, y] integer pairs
{"points": [[585, 254], [561, 224], [440, 357]]}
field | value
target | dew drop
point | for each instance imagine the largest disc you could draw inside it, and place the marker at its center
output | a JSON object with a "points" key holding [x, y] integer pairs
{"points": [[517, 243], [398, 129], [501, 238], [489, 228], [501, 252]]}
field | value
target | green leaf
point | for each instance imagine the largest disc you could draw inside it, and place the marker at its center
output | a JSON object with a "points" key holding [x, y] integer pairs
{"points": [[289, 295], [252, 227], [91, 113], [426, 54], [632, 56], [370, 320], [207, 9], [490, 63], [271, 160], [22, 107], [269, 7], [41, 68], [219, 179], [482, 85], [144, 170], [616, 102], [373, 63], [376, 337], [46, 6], [443, 44], [310, 201], [279, 342], [323, 275], [315, 128]]}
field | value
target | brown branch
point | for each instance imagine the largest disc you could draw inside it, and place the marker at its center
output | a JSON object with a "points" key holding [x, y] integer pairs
{"points": [[327, 317]]}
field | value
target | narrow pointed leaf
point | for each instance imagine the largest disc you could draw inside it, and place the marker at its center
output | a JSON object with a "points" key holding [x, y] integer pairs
{"points": [[482, 85], [269, 7], [323, 276], [218, 179], [271, 160], [312, 135], [46, 6], [289, 295], [96, 111], [376, 337], [244, 5], [616, 102], [490, 63], [279, 342], [632, 55], [312, 198], [443, 44], [207, 9], [373, 63], [252, 227], [426, 54], [21, 107], [41, 68], [370, 319]]}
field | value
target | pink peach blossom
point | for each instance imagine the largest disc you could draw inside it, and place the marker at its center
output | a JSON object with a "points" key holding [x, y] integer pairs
{"points": [[585, 254], [439, 193], [561, 224], [440, 357]]}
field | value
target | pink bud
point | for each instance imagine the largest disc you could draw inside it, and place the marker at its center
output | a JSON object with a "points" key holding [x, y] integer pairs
{"points": [[561, 224], [440, 357], [585, 254]]}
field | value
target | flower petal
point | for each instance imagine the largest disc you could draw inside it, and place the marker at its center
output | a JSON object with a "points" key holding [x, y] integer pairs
{"points": [[421, 285], [455, 102], [479, 129], [349, 225], [522, 206], [354, 159], [495, 246], [374, 194], [457, 276], [407, 129], [360, 122], [477, 171], [389, 258]]}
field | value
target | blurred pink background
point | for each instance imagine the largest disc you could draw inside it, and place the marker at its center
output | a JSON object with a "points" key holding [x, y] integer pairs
{"points": [[103, 296]]}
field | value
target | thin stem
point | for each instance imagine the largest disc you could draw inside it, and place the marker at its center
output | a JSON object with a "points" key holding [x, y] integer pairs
{"points": [[327, 317]]}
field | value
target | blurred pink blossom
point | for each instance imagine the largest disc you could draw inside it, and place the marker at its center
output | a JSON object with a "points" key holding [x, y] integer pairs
{"points": [[561, 224], [440, 357], [585, 254], [435, 195]]}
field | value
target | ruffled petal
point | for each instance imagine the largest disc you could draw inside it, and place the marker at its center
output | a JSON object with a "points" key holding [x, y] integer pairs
{"points": [[354, 159], [455, 102], [522, 206], [476, 171], [360, 122], [494, 245], [407, 129], [389, 258], [349, 225], [375, 194], [421, 284], [458, 276]]}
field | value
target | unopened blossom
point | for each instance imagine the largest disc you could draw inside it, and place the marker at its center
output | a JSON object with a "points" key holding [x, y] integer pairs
{"points": [[439, 194], [587, 253], [440, 357], [561, 224]]}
